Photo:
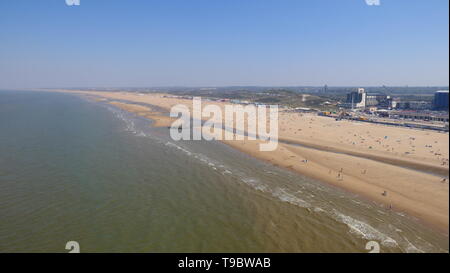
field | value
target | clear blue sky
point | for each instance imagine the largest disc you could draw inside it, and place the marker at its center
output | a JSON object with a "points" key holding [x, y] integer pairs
{"points": [[120, 43]]}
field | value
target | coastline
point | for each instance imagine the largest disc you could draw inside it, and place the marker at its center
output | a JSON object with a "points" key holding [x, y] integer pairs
{"points": [[410, 188]]}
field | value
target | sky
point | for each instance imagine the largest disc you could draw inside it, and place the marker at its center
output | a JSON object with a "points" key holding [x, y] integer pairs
{"points": [[137, 43]]}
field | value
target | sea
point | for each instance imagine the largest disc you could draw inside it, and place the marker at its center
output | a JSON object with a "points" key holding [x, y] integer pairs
{"points": [[75, 169]]}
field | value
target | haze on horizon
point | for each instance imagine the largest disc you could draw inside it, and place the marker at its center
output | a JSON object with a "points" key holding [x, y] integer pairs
{"points": [[223, 43]]}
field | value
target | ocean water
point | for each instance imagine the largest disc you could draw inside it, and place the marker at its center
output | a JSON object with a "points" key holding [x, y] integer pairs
{"points": [[72, 169]]}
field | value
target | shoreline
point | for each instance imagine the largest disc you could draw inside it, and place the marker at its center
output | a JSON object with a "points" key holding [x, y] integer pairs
{"points": [[409, 187], [431, 220]]}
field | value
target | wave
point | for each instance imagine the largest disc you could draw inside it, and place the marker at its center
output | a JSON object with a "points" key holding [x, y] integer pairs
{"points": [[130, 124], [363, 229], [285, 196]]}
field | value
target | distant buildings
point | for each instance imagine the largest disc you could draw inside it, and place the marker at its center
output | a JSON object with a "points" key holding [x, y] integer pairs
{"points": [[441, 100], [361, 99], [366, 101], [412, 105], [379, 100]]}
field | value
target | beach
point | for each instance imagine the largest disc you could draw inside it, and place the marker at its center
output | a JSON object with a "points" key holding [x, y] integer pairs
{"points": [[401, 169], [107, 173]]}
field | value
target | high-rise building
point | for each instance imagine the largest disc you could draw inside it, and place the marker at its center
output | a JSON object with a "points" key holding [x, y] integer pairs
{"points": [[357, 99], [441, 100]]}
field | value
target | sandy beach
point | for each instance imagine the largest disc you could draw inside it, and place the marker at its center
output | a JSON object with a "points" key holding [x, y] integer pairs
{"points": [[400, 168]]}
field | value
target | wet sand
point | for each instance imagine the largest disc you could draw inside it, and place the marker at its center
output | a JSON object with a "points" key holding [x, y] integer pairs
{"points": [[159, 119]]}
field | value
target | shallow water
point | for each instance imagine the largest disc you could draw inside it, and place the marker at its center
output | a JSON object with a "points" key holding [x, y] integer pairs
{"points": [[76, 170]]}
